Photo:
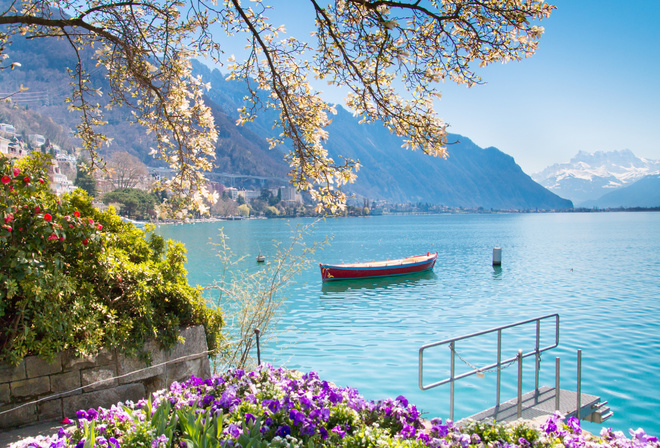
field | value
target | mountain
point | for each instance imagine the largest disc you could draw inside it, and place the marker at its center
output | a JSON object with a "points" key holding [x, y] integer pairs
{"points": [[470, 177], [643, 193], [587, 177]]}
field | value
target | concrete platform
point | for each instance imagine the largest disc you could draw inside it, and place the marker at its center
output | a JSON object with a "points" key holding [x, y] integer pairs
{"points": [[7, 437], [541, 403]]}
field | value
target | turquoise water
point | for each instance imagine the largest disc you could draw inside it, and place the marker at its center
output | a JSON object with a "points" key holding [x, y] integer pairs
{"points": [[599, 272]]}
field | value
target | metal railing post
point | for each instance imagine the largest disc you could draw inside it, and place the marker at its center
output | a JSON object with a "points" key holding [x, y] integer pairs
{"points": [[579, 382], [538, 355], [499, 365], [451, 384], [520, 372], [557, 399]]}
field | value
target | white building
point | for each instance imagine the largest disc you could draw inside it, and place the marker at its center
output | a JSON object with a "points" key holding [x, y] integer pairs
{"points": [[36, 139], [7, 130], [290, 195], [232, 193], [248, 195], [4, 146]]}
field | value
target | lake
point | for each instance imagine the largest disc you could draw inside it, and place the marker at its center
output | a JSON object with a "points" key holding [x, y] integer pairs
{"points": [[599, 271]]}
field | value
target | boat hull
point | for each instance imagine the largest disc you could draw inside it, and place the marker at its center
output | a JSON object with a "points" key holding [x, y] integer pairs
{"points": [[403, 266]]}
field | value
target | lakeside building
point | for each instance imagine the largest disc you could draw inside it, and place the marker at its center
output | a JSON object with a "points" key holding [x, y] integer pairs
{"points": [[290, 195], [249, 195], [7, 130], [36, 140]]}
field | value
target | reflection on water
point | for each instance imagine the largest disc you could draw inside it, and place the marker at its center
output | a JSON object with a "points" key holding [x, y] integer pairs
{"points": [[329, 289], [497, 272]]}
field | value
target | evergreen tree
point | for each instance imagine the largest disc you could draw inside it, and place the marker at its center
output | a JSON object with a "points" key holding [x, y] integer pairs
{"points": [[85, 180]]}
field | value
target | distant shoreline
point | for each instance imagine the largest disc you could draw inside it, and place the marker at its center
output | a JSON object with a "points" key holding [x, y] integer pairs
{"points": [[407, 213]]}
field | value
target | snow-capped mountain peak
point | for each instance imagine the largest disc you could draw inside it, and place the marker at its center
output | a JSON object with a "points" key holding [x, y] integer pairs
{"points": [[588, 176]]}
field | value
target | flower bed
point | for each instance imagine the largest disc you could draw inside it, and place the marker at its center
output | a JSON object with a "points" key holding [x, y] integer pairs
{"points": [[283, 408]]}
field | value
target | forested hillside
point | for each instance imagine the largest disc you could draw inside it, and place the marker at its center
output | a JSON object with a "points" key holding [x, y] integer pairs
{"points": [[470, 177]]}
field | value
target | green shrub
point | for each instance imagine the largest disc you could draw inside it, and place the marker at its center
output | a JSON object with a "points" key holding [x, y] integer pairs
{"points": [[72, 277]]}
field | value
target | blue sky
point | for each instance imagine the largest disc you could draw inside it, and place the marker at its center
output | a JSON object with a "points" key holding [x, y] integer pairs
{"points": [[591, 86]]}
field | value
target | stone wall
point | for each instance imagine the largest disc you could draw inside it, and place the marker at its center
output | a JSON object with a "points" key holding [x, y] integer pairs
{"points": [[36, 390]]}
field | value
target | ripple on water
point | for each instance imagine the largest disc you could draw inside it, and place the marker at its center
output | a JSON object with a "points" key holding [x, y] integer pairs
{"points": [[598, 271]]}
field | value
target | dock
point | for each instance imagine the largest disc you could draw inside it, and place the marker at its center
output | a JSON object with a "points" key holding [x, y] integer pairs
{"points": [[543, 403]]}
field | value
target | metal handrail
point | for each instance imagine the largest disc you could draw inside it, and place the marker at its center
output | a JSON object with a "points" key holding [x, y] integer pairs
{"points": [[498, 364]]}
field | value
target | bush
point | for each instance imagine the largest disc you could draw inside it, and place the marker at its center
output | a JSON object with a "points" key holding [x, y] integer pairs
{"points": [[72, 277]]}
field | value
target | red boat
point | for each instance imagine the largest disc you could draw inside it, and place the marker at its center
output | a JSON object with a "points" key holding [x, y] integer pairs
{"points": [[408, 265]]}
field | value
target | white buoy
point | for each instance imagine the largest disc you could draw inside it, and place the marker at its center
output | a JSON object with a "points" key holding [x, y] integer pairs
{"points": [[497, 256]]}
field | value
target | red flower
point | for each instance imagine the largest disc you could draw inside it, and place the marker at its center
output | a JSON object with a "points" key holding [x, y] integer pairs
{"points": [[6, 179], [76, 214], [91, 221], [20, 229], [71, 225], [17, 171], [66, 421], [37, 209], [47, 216], [85, 241], [26, 179], [41, 181], [8, 228], [9, 218], [100, 227], [52, 237], [62, 238]]}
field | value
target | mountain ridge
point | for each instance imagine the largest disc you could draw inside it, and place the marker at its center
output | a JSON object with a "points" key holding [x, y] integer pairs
{"points": [[589, 176], [470, 177]]}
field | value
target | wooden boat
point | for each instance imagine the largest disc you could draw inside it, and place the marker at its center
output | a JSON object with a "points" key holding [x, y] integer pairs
{"points": [[386, 268]]}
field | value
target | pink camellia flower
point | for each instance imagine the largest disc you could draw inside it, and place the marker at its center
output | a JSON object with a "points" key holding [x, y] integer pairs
{"points": [[37, 209], [91, 221], [8, 228], [85, 242], [6, 179], [17, 171], [100, 227], [20, 229], [76, 214], [47, 216], [9, 218], [41, 181], [62, 238], [71, 225], [67, 217], [52, 237]]}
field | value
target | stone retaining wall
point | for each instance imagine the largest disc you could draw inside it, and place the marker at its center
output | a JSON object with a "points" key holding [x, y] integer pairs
{"points": [[39, 391]]}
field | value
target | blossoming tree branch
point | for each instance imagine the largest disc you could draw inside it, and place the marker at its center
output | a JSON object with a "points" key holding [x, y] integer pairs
{"points": [[389, 55]]}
